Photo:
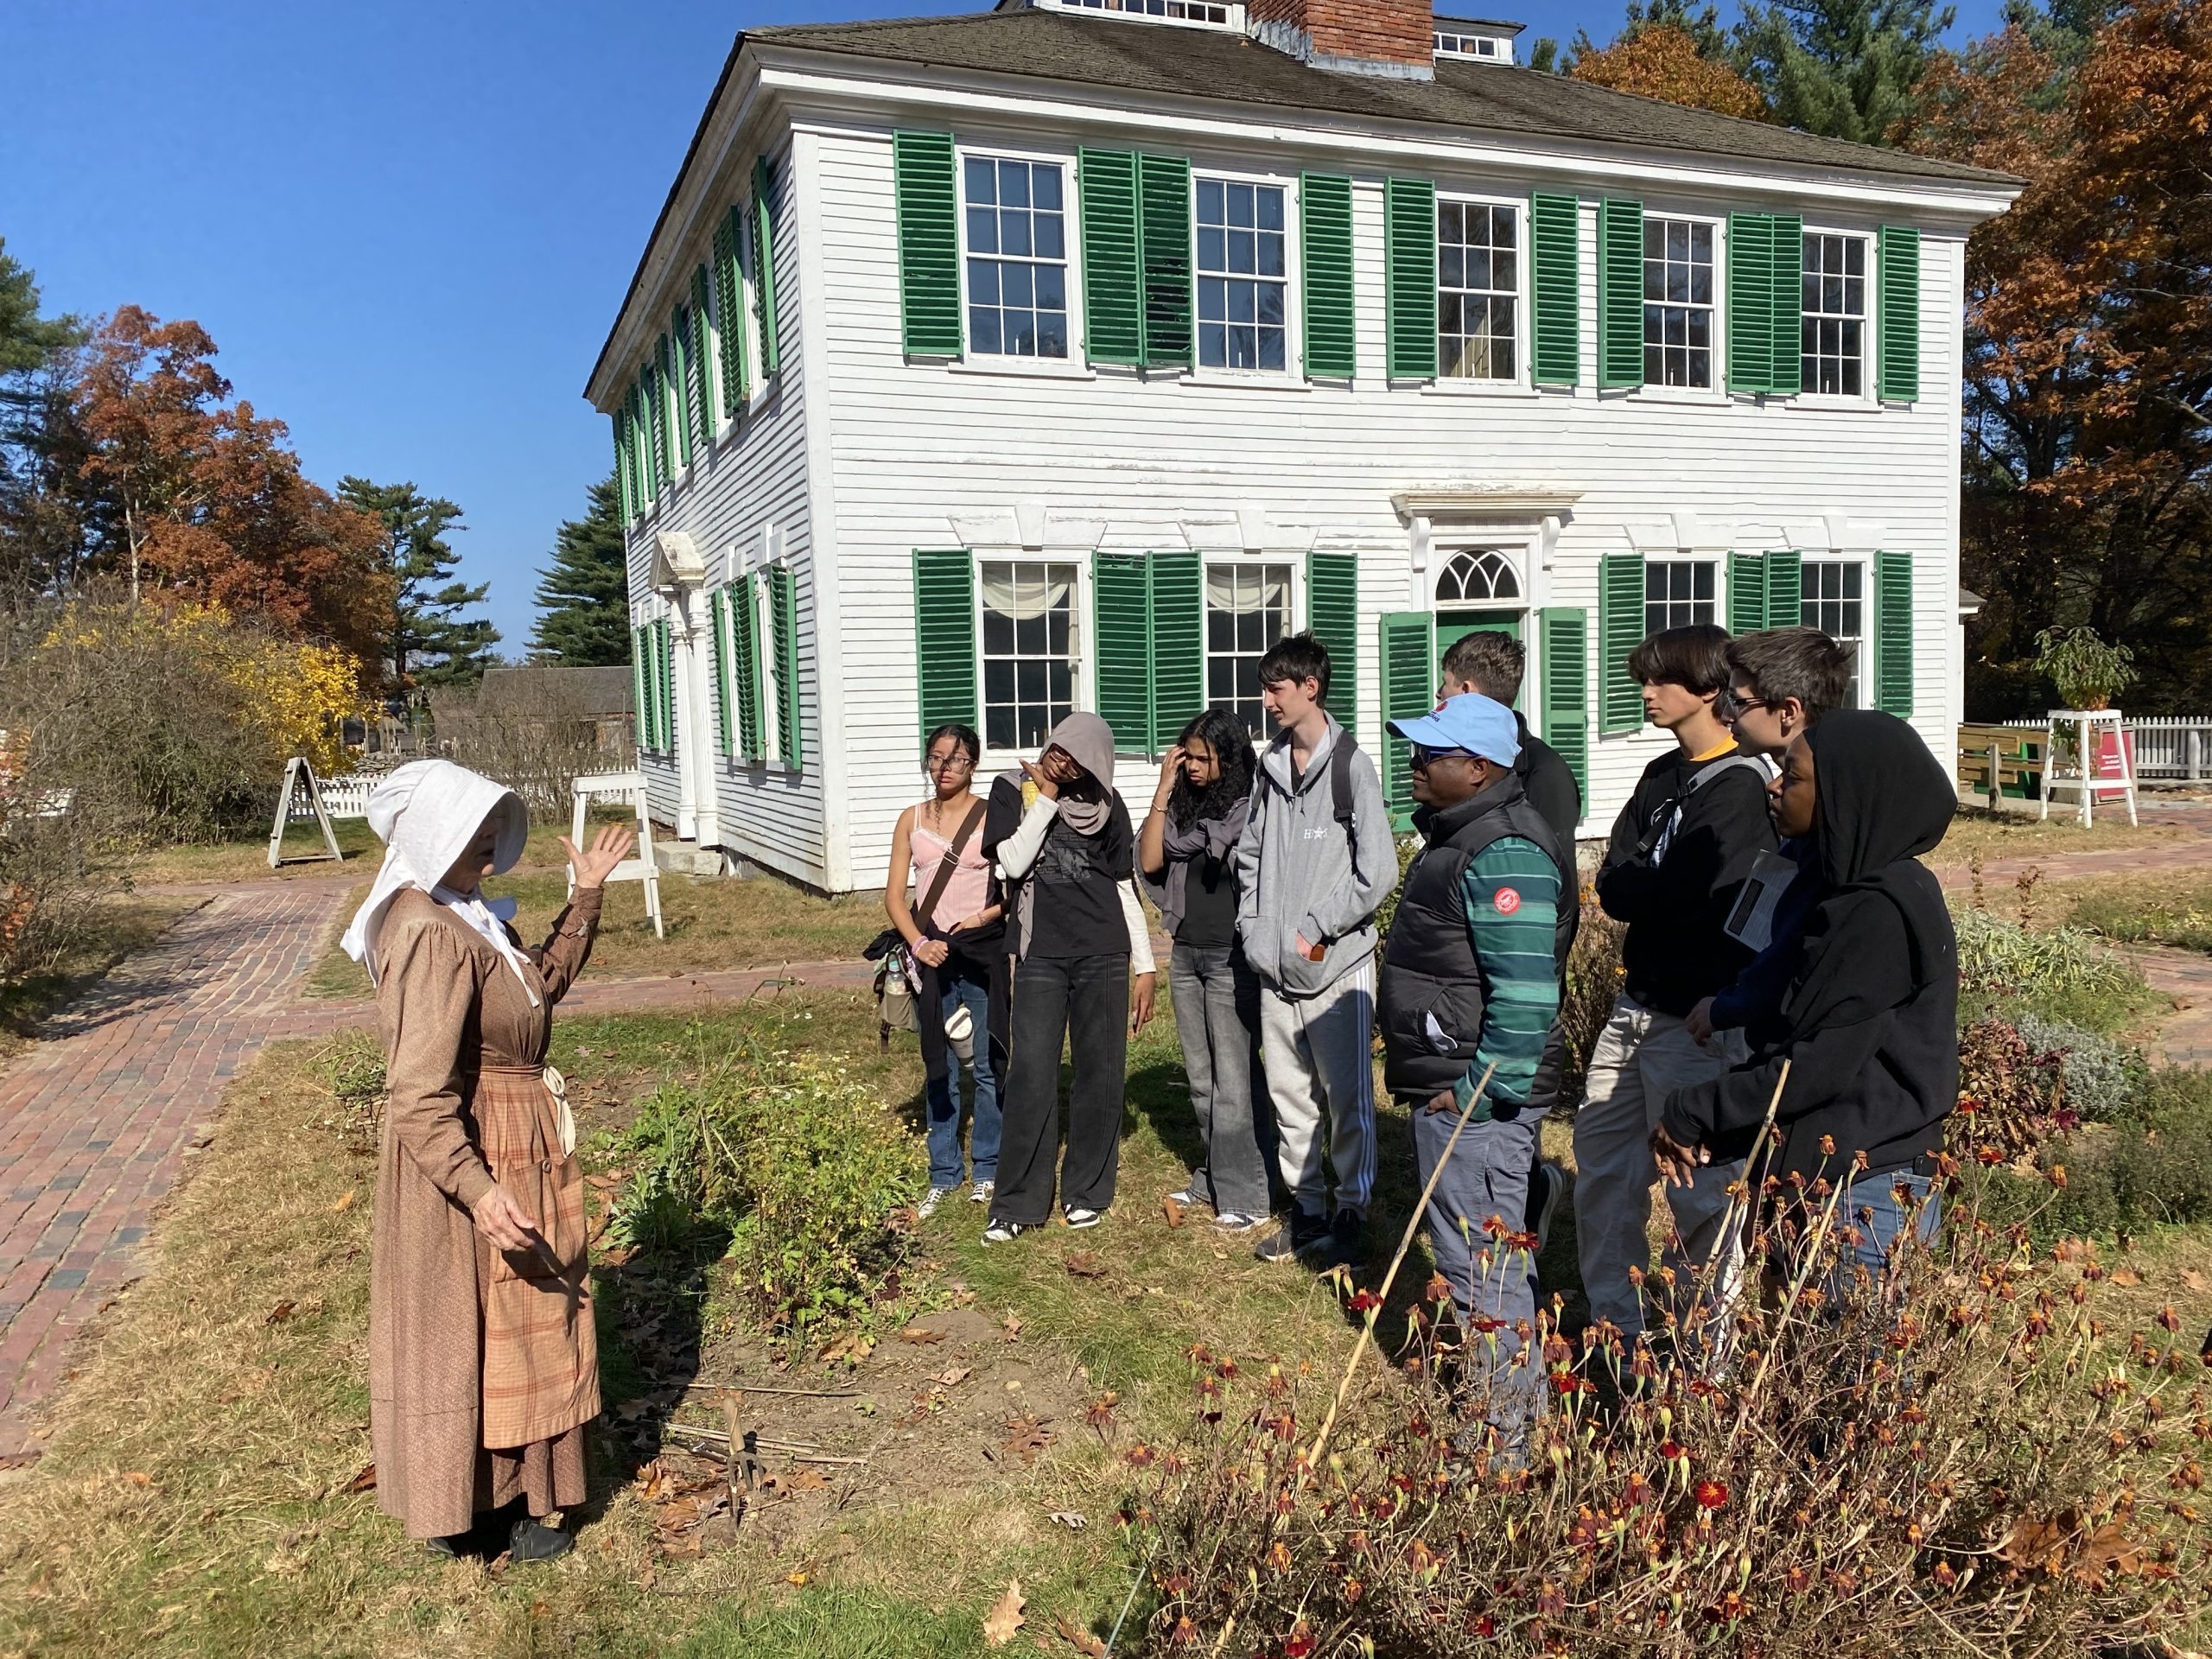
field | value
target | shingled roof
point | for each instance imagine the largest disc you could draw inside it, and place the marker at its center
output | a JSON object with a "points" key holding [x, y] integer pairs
{"points": [[1217, 65]]}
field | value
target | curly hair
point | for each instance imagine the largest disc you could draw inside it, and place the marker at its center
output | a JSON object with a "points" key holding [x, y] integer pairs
{"points": [[1225, 735]]}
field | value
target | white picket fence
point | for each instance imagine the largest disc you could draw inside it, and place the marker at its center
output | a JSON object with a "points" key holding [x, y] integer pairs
{"points": [[2168, 748]]}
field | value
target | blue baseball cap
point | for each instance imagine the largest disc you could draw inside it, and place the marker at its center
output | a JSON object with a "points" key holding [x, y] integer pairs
{"points": [[1478, 724]]}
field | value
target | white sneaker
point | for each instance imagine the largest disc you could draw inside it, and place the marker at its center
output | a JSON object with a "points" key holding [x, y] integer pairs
{"points": [[1075, 1216], [927, 1207], [982, 1192], [1188, 1198], [1000, 1232], [1235, 1221]]}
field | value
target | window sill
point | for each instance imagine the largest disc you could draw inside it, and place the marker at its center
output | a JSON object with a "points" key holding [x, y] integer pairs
{"points": [[1237, 382], [1022, 368], [1829, 403], [1509, 390], [1688, 395]]}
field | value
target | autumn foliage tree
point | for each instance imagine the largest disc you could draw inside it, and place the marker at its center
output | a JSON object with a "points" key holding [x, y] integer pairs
{"points": [[1663, 60]]}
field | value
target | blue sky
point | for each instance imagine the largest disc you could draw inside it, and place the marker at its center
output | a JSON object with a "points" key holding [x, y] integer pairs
{"points": [[407, 224]]}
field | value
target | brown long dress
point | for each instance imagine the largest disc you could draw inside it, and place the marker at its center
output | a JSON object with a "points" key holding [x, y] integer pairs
{"points": [[483, 1368]]}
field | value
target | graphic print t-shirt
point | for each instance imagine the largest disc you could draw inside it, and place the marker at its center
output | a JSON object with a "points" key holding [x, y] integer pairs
{"points": [[1078, 910]]}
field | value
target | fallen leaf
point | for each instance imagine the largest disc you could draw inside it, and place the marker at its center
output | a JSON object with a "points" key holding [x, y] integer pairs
{"points": [[913, 1333], [2192, 1279], [1073, 1520], [538, 1610], [851, 1346], [2072, 1249], [137, 1478], [1174, 1219], [1012, 1327], [346, 1202], [798, 1577], [2109, 1548], [1026, 1437], [1085, 1264], [363, 1482], [806, 1478], [1078, 1638], [1005, 1616], [279, 1313], [676, 1517], [954, 1377], [2126, 1278]]}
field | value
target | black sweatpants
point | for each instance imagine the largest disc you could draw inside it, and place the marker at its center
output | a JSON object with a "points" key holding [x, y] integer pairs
{"points": [[1085, 1000]]}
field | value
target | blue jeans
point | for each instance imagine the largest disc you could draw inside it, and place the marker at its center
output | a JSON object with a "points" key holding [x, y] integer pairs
{"points": [[1487, 1177], [964, 987], [1879, 1220]]}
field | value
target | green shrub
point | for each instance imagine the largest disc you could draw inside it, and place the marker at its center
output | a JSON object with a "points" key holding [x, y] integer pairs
{"points": [[2103, 1079], [2154, 1169], [2178, 916], [2062, 972], [796, 1168]]}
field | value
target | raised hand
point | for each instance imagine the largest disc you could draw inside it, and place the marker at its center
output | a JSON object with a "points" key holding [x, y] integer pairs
{"points": [[1047, 785], [608, 847]]}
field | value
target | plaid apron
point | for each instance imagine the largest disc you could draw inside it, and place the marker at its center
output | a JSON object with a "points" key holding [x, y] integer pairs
{"points": [[541, 1353]]}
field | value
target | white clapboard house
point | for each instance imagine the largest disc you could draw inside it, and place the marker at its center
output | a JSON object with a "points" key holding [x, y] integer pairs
{"points": [[1065, 355]]}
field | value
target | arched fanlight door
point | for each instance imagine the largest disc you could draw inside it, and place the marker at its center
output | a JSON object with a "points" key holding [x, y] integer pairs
{"points": [[1477, 577]]}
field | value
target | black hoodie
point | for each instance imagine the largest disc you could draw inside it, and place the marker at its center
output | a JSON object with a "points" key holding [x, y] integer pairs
{"points": [[1870, 1022]]}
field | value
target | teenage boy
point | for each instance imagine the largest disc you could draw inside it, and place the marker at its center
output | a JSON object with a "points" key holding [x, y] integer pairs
{"points": [[1313, 864], [1780, 682], [1682, 847], [1471, 984], [1489, 664]]}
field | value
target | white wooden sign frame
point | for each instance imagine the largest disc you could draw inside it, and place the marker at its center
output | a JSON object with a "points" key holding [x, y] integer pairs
{"points": [[296, 770], [629, 786]]}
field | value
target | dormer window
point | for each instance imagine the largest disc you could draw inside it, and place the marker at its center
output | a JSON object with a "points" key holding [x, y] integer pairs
{"points": [[1195, 14], [1471, 40]]}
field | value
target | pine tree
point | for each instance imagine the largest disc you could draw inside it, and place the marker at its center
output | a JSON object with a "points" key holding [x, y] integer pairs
{"points": [[583, 615], [42, 534], [429, 642], [1843, 68]]}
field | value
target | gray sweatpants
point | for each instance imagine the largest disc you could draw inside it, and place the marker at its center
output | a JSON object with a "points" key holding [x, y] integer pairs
{"points": [[1318, 1054], [1218, 1017]]}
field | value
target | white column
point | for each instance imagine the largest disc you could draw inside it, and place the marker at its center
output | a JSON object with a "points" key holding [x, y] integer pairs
{"points": [[700, 759], [681, 629]]}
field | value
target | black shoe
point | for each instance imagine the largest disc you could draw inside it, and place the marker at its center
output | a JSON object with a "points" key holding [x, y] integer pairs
{"points": [[533, 1541], [1345, 1241], [1293, 1238], [1546, 1187], [447, 1549]]}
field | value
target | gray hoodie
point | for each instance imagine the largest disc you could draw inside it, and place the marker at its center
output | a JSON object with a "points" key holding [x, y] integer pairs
{"points": [[1295, 869]]}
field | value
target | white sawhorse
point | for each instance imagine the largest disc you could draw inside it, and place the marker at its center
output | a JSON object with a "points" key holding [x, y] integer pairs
{"points": [[629, 786]]}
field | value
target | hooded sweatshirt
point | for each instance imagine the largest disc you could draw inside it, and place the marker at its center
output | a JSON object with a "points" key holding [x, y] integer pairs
{"points": [[1297, 872], [1870, 1022]]}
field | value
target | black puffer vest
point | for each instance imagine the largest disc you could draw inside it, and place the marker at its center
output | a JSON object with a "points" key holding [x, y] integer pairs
{"points": [[1428, 964]]}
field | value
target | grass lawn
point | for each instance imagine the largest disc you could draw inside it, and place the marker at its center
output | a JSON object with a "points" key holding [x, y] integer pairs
{"points": [[1976, 830], [2175, 910], [248, 861], [120, 925]]}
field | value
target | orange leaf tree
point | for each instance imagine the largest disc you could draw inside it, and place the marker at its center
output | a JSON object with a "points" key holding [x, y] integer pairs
{"points": [[1662, 60]]}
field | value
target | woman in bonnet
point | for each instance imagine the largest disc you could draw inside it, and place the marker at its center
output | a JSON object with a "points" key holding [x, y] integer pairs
{"points": [[483, 1370]]}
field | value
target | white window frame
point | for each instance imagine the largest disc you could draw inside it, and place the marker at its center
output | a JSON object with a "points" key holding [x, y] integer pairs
{"points": [[1458, 45], [749, 288], [1133, 11], [1717, 356], [1682, 561], [1080, 686], [1860, 642], [1293, 609], [1865, 396], [1294, 368], [1519, 379], [1071, 362]]}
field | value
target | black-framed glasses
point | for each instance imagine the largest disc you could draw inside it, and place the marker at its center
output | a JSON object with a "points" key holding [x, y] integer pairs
{"points": [[958, 760], [1424, 755], [1733, 705]]}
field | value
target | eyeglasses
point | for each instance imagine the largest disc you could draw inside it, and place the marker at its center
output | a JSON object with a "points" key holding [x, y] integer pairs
{"points": [[958, 760], [1737, 705], [1424, 756]]}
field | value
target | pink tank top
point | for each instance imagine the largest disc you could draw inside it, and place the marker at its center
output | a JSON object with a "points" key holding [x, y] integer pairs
{"points": [[970, 887]]}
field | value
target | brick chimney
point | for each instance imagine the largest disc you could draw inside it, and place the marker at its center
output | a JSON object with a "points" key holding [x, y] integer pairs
{"points": [[1364, 37]]}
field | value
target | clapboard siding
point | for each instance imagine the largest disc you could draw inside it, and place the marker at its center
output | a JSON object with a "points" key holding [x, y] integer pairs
{"points": [[909, 446]]}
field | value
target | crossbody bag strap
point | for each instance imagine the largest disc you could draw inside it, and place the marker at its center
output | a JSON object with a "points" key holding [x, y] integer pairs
{"points": [[927, 910]]}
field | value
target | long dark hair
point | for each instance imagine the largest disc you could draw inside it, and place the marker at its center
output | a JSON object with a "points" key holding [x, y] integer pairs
{"points": [[1231, 743]]}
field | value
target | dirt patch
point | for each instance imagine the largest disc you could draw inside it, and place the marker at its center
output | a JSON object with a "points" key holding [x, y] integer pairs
{"points": [[955, 1400]]}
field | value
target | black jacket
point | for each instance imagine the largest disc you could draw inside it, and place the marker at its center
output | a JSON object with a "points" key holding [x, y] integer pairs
{"points": [[1548, 782], [1870, 1023], [1676, 953]]}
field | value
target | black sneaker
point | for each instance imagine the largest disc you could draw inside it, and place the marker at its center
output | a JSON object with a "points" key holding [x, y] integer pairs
{"points": [[1293, 1238], [533, 1541], [1346, 1241], [1546, 1187]]}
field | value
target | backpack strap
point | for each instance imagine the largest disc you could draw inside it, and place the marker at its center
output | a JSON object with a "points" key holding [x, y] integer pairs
{"points": [[1340, 789]]}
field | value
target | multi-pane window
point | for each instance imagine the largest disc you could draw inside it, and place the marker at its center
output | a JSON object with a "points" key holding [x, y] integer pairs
{"points": [[1243, 276], [1477, 283], [1247, 610], [1676, 594], [1835, 315], [1185, 11], [1677, 303], [1029, 650], [1017, 259], [1833, 594]]}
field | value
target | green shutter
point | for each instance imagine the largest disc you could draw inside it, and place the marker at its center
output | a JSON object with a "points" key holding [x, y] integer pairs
{"points": [[745, 667], [1787, 306], [1122, 602], [1565, 703], [1325, 256], [944, 638], [1785, 589], [1333, 618], [1897, 329], [643, 710], [703, 357], [1408, 641], [1164, 243], [721, 603], [679, 377], [729, 310], [1620, 631], [666, 637], [1107, 182], [929, 243], [1893, 633], [656, 396], [1409, 278], [1750, 302], [1179, 644], [622, 461], [764, 266], [783, 624], [1555, 280], [1746, 593], [1620, 295]]}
